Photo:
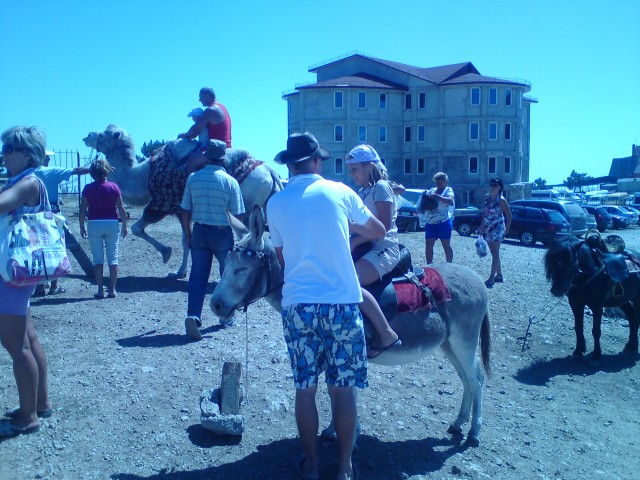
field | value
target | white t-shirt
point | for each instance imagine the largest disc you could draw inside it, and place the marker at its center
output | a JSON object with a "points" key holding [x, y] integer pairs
{"points": [[382, 192], [444, 211], [310, 221]]}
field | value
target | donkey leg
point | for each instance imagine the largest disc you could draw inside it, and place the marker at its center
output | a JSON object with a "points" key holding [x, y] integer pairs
{"points": [[138, 229], [462, 355], [596, 331], [632, 311], [578, 318]]}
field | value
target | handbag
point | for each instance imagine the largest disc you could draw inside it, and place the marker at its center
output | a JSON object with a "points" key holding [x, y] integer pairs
{"points": [[427, 203], [32, 246]]}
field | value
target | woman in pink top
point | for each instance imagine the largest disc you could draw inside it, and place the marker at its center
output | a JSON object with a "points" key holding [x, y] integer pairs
{"points": [[104, 201]]}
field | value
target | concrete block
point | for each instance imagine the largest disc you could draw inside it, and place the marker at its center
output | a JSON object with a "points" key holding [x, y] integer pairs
{"points": [[230, 388]]}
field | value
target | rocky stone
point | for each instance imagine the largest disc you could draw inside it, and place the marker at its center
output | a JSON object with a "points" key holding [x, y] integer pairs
{"points": [[212, 419]]}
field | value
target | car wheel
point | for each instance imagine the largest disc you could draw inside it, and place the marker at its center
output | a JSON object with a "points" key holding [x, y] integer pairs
{"points": [[464, 229], [412, 227], [527, 238]]}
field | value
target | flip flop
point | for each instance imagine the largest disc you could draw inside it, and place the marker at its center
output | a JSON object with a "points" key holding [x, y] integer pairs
{"points": [[41, 413], [112, 295], [57, 291], [391, 346], [298, 471], [98, 296], [8, 429]]}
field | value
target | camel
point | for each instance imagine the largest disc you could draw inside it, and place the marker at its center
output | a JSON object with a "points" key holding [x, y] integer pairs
{"points": [[158, 183]]}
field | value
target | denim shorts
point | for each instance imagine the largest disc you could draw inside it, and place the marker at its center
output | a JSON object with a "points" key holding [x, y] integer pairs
{"points": [[325, 338], [440, 230]]}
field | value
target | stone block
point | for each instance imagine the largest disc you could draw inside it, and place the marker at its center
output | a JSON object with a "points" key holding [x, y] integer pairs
{"points": [[213, 420], [230, 388]]}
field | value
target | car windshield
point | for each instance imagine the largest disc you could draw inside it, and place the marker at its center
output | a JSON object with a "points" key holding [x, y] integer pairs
{"points": [[412, 197]]}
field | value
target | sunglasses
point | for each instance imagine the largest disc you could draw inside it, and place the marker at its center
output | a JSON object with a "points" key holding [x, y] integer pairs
{"points": [[9, 149]]}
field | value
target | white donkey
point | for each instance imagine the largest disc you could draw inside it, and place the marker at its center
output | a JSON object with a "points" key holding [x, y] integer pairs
{"points": [[158, 183], [461, 323]]}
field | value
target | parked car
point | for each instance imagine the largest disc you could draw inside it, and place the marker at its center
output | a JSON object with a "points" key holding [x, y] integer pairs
{"points": [[591, 220], [571, 211], [412, 195], [603, 219], [619, 212], [466, 220], [528, 224], [632, 210], [408, 219]]}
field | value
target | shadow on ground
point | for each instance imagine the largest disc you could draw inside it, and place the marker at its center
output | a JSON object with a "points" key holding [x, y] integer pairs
{"points": [[375, 459], [541, 371], [151, 339]]}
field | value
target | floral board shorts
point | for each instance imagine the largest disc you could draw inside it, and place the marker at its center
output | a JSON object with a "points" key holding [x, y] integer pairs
{"points": [[326, 338]]}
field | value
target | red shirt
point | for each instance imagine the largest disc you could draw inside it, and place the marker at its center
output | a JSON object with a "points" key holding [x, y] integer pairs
{"points": [[102, 198], [221, 131]]}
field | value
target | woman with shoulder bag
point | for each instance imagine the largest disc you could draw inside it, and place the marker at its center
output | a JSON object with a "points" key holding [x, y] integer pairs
{"points": [[23, 149], [495, 224], [438, 204]]}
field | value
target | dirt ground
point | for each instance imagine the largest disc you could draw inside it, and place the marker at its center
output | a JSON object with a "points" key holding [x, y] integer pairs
{"points": [[125, 383]]}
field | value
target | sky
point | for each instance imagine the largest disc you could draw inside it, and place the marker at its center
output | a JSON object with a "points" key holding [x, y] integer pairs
{"points": [[71, 67]]}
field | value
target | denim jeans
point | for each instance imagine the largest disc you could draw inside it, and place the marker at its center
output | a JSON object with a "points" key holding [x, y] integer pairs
{"points": [[206, 242]]}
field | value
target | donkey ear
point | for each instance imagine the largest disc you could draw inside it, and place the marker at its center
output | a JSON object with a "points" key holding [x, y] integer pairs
{"points": [[239, 230], [256, 223]]}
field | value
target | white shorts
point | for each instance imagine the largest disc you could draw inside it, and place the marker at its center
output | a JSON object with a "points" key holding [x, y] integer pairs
{"points": [[383, 260]]}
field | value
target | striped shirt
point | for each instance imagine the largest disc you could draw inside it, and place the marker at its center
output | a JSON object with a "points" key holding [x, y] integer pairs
{"points": [[209, 193]]}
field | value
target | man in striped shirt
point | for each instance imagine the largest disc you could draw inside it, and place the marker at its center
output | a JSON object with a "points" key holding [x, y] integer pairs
{"points": [[208, 195]]}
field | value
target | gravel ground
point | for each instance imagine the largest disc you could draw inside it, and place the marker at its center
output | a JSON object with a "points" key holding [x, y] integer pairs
{"points": [[125, 384]]}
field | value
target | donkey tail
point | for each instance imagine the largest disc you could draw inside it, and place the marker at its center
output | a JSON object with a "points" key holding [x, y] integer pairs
{"points": [[485, 343]]}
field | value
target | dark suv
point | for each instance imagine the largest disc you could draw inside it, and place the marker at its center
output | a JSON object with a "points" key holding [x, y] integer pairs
{"points": [[529, 224], [603, 219], [571, 211]]}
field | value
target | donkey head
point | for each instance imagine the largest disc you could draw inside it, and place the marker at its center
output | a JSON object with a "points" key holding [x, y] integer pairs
{"points": [[560, 264]]}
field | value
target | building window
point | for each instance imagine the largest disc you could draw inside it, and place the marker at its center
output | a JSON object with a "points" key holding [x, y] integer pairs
{"points": [[507, 97], [491, 164], [493, 96], [475, 95], [493, 131], [507, 165], [407, 166], [362, 99], [289, 104], [407, 134], [338, 135], [519, 99], [420, 166], [407, 101], [362, 133], [384, 161], [383, 101], [466, 194], [474, 131], [473, 164], [507, 132], [337, 99], [382, 134], [338, 168], [422, 100], [421, 134]]}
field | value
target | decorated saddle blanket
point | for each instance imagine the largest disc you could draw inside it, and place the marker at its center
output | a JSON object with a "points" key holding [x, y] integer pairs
{"points": [[411, 298], [167, 179], [244, 168]]}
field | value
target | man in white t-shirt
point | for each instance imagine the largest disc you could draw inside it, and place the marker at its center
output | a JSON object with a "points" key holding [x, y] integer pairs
{"points": [[323, 329]]}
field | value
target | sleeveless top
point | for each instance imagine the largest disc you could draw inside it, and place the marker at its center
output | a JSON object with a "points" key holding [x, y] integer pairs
{"points": [[494, 226], [221, 131], [23, 209]]}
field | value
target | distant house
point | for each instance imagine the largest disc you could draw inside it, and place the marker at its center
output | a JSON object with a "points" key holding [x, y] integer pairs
{"points": [[625, 172], [420, 120]]}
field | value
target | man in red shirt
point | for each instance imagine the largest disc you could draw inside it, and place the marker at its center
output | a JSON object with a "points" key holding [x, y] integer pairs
{"points": [[215, 119]]}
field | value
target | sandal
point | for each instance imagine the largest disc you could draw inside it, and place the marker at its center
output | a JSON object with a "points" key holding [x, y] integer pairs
{"points": [[298, 471], [98, 296], [46, 413], [8, 429], [57, 291], [393, 345]]}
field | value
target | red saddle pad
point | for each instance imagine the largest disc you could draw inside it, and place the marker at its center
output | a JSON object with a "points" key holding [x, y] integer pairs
{"points": [[411, 298]]}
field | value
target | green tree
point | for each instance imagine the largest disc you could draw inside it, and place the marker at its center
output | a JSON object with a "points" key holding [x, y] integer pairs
{"points": [[148, 148], [539, 184], [576, 180]]}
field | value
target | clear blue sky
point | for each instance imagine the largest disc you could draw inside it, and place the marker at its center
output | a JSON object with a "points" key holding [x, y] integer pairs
{"points": [[71, 67]]}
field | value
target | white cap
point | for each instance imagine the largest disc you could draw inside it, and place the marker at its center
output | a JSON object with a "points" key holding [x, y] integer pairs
{"points": [[364, 154]]}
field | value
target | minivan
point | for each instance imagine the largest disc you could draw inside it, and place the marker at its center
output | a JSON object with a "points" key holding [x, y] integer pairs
{"points": [[574, 214]]}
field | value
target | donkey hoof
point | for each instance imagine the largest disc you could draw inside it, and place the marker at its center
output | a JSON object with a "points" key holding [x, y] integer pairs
{"points": [[630, 349], [166, 254], [455, 431], [472, 442], [176, 275]]}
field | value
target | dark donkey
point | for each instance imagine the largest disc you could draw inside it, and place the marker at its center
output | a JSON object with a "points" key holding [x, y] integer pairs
{"points": [[576, 269]]}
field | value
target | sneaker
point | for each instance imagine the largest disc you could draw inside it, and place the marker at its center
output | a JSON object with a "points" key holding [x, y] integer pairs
{"points": [[191, 327]]}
